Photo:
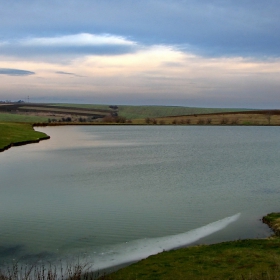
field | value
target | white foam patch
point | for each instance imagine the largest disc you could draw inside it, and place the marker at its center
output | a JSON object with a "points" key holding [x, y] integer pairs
{"points": [[140, 249]]}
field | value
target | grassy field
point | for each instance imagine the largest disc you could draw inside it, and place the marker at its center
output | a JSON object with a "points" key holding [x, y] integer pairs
{"points": [[6, 117], [142, 112], [16, 133], [241, 259], [244, 259], [248, 118]]}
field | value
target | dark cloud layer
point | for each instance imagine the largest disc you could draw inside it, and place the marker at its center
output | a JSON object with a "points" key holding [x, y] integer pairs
{"points": [[15, 72], [209, 27]]}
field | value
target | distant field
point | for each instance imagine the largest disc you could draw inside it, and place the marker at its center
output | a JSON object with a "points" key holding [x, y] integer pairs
{"points": [[237, 118], [61, 110], [85, 106], [104, 114], [142, 112], [6, 117]]}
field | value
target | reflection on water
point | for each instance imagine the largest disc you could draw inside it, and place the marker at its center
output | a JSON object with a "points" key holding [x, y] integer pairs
{"points": [[90, 189]]}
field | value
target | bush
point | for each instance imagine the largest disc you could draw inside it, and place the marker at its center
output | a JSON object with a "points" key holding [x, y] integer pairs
{"points": [[224, 120], [200, 121], [82, 119], [154, 121], [147, 120], [108, 119], [119, 119]]}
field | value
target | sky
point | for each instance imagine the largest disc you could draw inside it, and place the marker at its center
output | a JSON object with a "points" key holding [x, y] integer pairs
{"points": [[191, 53]]}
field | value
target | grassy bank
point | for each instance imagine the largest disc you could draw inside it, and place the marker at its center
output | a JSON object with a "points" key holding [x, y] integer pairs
{"points": [[242, 259], [15, 134]]}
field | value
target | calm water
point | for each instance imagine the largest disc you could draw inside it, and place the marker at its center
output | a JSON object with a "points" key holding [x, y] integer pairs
{"points": [[111, 193]]}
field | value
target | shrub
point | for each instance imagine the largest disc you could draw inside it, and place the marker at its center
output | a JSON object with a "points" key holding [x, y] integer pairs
{"points": [[147, 120], [82, 119], [200, 121], [108, 119], [154, 121], [120, 119], [224, 120]]}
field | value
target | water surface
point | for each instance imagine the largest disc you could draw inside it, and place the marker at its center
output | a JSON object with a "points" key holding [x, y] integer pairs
{"points": [[99, 190]]}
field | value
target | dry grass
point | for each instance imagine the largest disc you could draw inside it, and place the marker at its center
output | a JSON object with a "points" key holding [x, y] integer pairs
{"points": [[219, 119], [16, 271]]}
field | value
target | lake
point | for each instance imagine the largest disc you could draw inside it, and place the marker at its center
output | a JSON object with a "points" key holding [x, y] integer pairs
{"points": [[114, 194]]}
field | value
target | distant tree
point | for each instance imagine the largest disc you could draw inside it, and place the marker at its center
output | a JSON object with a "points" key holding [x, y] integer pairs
{"points": [[120, 119], [154, 121], [108, 119], [200, 121], [147, 120], [268, 116], [82, 119], [224, 120], [234, 121]]}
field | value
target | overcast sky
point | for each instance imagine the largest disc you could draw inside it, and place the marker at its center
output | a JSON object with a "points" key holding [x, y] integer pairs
{"points": [[202, 53]]}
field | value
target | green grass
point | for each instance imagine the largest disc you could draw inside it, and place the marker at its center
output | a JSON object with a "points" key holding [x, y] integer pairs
{"points": [[84, 106], [229, 260], [142, 112], [242, 259], [273, 221], [13, 133], [6, 117]]}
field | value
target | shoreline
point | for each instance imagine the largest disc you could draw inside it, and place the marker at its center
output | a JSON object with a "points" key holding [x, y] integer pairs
{"points": [[22, 143], [236, 259], [26, 142]]}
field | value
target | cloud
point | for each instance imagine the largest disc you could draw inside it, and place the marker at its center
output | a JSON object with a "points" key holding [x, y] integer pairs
{"points": [[79, 40], [208, 27], [65, 73], [68, 73], [76, 44], [15, 72]]}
